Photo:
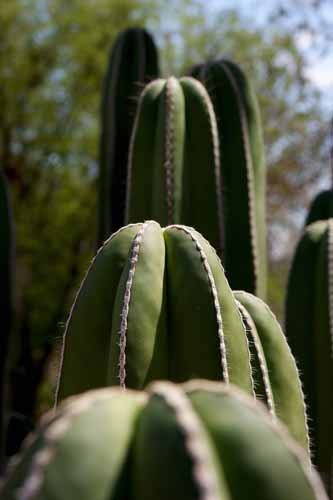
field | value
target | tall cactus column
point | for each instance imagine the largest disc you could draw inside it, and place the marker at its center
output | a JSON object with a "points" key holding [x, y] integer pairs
{"points": [[309, 327], [6, 298], [134, 62], [173, 165], [243, 173]]}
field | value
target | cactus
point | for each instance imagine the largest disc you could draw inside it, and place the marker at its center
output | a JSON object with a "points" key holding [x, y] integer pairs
{"points": [[155, 304], [6, 299], [309, 328], [200, 441], [321, 207], [273, 364], [243, 174], [174, 159], [134, 62]]}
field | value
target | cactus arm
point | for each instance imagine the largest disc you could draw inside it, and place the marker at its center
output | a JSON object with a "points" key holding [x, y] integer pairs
{"points": [[141, 160], [283, 375], [202, 197], [193, 472], [169, 150], [87, 335], [78, 440], [242, 172], [139, 347], [134, 61], [235, 422]]}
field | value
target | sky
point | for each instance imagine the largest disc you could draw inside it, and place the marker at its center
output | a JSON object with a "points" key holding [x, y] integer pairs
{"points": [[320, 67]]}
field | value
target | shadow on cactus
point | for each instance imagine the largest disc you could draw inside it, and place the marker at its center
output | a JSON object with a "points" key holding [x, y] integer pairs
{"points": [[242, 170], [155, 304], [199, 441], [133, 63]]}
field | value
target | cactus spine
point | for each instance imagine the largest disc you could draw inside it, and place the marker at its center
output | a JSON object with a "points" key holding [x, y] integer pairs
{"points": [[309, 328], [174, 159], [134, 62], [243, 174], [155, 304], [193, 442], [6, 299]]}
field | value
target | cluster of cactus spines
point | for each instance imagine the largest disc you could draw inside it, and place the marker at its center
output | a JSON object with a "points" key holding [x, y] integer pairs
{"points": [[134, 62], [6, 299], [198, 441], [242, 171], [174, 174], [309, 329], [155, 304]]}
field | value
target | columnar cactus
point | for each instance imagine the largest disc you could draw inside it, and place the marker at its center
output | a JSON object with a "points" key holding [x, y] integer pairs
{"points": [[243, 173], [155, 304], [173, 165], [134, 62], [202, 441], [6, 296], [309, 328]]}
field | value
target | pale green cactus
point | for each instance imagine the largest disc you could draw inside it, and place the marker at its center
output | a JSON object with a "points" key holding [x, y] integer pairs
{"points": [[173, 170], [155, 304], [199, 441]]}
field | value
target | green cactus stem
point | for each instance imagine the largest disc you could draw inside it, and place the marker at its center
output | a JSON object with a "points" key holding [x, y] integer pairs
{"points": [[174, 159], [134, 62], [199, 441], [274, 365], [6, 299], [243, 175], [309, 328], [321, 207], [155, 304]]}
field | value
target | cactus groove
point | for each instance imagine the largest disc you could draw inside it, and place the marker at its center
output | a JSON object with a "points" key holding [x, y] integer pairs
{"points": [[155, 304], [134, 62], [243, 176], [198, 441]]}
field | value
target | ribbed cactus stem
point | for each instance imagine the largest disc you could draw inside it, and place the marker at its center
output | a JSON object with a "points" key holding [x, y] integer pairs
{"points": [[156, 305], [309, 331], [242, 173], [133, 63], [200, 440]]}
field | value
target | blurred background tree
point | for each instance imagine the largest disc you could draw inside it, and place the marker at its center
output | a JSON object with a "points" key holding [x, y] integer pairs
{"points": [[53, 56]]}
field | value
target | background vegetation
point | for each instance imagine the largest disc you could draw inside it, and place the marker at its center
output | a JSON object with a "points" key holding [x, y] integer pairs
{"points": [[53, 56]]}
